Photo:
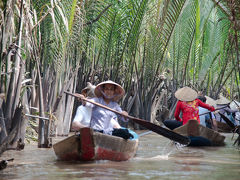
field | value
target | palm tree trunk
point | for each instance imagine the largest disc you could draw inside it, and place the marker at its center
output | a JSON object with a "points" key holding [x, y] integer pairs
{"points": [[42, 136]]}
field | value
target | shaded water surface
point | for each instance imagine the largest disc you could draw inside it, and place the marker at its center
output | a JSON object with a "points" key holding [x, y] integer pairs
{"points": [[156, 158]]}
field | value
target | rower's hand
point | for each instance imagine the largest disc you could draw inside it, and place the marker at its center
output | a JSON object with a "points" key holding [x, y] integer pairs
{"points": [[212, 109], [80, 98], [125, 114]]}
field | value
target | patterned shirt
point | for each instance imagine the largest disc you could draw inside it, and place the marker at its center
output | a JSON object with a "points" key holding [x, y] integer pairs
{"points": [[190, 110], [101, 117]]}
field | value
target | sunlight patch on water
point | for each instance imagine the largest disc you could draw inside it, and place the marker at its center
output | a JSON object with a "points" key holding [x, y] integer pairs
{"points": [[200, 160], [158, 157], [154, 174], [153, 158]]}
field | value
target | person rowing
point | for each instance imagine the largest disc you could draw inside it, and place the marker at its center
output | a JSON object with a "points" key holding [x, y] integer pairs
{"points": [[224, 104], [108, 93], [84, 113], [188, 105]]}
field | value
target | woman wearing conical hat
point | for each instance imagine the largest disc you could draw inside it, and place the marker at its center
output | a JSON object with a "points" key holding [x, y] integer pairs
{"points": [[107, 93], [188, 104]]}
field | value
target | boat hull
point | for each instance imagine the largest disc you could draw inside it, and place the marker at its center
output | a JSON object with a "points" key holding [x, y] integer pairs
{"points": [[90, 145], [194, 129], [223, 127]]}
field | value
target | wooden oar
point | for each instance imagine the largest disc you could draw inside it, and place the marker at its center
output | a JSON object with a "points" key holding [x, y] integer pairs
{"points": [[229, 123], [153, 127], [235, 129], [215, 110], [236, 103]]}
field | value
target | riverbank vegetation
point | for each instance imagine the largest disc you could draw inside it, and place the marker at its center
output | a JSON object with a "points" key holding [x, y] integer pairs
{"points": [[150, 47]]}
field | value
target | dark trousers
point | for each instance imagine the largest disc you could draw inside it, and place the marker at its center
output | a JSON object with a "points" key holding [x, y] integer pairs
{"points": [[124, 133], [199, 141], [172, 124]]}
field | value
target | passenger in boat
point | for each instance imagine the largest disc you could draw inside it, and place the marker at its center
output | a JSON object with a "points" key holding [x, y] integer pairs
{"points": [[223, 105], [83, 114], [187, 105], [207, 119], [108, 93]]}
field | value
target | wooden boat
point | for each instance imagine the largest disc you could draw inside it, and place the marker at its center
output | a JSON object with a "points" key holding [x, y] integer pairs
{"points": [[194, 129], [90, 145], [223, 127], [227, 126]]}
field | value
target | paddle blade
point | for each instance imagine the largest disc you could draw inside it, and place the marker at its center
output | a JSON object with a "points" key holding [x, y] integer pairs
{"points": [[227, 121], [163, 131]]}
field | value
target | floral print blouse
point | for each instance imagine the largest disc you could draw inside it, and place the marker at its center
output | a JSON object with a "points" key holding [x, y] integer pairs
{"points": [[190, 110]]}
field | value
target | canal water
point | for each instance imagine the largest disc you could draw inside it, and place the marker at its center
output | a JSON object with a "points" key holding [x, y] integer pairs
{"points": [[156, 158]]}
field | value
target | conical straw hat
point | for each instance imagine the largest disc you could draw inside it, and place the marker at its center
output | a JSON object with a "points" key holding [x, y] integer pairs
{"points": [[186, 94], [118, 92], [222, 100], [234, 105], [211, 101]]}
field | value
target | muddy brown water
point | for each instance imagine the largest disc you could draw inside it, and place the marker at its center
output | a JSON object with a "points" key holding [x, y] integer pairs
{"points": [[156, 158]]}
